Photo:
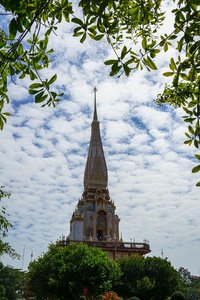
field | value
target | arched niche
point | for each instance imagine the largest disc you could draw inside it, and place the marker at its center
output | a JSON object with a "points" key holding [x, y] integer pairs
{"points": [[101, 227], [100, 202]]}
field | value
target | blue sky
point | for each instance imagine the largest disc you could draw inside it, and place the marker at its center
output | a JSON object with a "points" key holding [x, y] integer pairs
{"points": [[43, 154]]}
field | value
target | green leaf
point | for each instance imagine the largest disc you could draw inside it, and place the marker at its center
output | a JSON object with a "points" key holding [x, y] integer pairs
{"points": [[12, 29], [92, 30], [189, 120], [110, 62], [78, 33], [1, 123], [168, 74], [188, 111], [197, 156], [22, 75], [32, 92], [184, 76], [53, 79], [77, 29], [29, 41], [54, 94], [98, 37], [172, 65], [7, 114], [11, 70], [32, 75], [144, 43], [192, 104], [191, 130], [196, 169], [2, 44], [77, 21], [91, 35], [83, 38], [166, 47], [175, 81], [124, 51], [192, 74], [36, 85], [194, 47], [20, 49], [151, 64], [187, 135], [127, 70], [140, 16], [196, 144], [115, 69], [188, 142], [38, 97], [173, 37], [66, 15], [42, 99], [130, 61], [4, 118], [180, 44]]}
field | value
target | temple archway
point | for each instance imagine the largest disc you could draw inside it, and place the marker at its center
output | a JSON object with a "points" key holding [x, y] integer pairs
{"points": [[101, 227]]}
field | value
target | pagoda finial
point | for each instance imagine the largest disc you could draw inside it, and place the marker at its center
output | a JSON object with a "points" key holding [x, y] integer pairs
{"points": [[95, 170], [95, 105]]}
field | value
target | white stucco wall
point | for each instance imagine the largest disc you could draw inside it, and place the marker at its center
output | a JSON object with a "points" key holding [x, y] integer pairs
{"points": [[77, 231]]}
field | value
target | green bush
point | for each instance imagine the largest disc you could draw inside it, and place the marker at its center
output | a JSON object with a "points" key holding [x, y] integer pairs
{"points": [[178, 296]]}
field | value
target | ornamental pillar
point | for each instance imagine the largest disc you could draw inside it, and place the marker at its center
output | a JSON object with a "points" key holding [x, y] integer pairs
{"points": [[113, 226], [108, 228], [117, 230], [94, 226]]}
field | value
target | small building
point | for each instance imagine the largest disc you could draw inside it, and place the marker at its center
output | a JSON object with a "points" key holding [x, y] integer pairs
{"points": [[94, 220]]}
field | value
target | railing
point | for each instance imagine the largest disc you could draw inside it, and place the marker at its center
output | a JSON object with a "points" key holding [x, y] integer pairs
{"points": [[108, 244]]}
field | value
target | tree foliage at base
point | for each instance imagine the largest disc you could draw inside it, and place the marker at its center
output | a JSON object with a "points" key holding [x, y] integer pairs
{"points": [[69, 272], [147, 278], [12, 283], [78, 270], [5, 247], [191, 284], [178, 296]]}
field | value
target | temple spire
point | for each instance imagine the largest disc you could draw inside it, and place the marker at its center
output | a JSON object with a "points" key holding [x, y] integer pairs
{"points": [[95, 105], [95, 169]]}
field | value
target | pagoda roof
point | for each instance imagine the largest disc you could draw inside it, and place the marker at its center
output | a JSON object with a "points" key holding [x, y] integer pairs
{"points": [[96, 174]]}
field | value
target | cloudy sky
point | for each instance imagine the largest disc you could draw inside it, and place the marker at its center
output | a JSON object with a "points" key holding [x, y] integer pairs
{"points": [[43, 153]]}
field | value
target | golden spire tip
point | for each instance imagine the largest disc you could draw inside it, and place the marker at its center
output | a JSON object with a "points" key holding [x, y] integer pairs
{"points": [[95, 104]]}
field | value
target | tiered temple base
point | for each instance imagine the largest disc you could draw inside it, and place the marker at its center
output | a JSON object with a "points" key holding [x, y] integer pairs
{"points": [[115, 249]]}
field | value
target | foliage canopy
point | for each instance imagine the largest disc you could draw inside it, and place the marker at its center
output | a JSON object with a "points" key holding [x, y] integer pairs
{"points": [[12, 281], [118, 21], [5, 247], [147, 278], [78, 270], [68, 272]]}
